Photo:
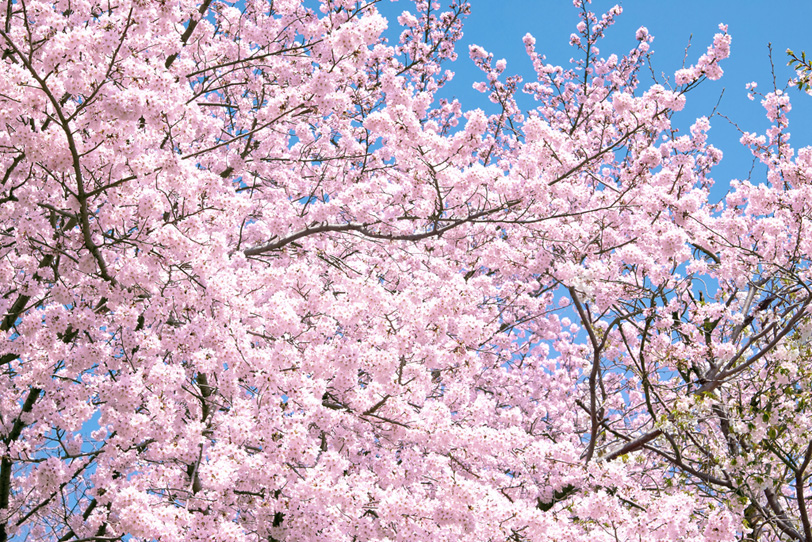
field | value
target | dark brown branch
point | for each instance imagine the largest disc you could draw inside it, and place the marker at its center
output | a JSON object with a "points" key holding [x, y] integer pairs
{"points": [[364, 230], [593, 376], [799, 492], [781, 518], [6, 463], [190, 27], [634, 445], [14, 163]]}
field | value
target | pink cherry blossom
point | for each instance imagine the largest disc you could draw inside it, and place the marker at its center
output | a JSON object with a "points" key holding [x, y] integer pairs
{"points": [[261, 283]]}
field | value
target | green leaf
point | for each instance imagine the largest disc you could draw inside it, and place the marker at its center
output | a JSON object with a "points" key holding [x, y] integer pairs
{"points": [[558, 496]]}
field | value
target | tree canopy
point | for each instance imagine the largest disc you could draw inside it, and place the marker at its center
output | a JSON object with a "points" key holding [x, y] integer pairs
{"points": [[260, 283]]}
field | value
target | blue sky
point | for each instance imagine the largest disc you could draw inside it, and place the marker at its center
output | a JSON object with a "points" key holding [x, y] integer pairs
{"points": [[498, 26]]}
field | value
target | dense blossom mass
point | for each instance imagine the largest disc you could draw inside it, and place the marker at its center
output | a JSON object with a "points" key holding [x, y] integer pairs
{"points": [[259, 282]]}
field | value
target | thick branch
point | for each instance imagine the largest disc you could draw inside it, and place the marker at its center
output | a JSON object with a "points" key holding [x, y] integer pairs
{"points": [[634, 445], [593, 375], [190, 27], [799, 492], [781, 518], [6, 463], [364, 230]]}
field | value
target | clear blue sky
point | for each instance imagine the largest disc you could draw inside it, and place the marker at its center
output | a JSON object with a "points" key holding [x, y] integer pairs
{"points": [[498, 26]]}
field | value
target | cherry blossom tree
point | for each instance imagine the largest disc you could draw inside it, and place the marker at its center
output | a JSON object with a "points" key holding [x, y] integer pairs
{"points": [[261, 283]]}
